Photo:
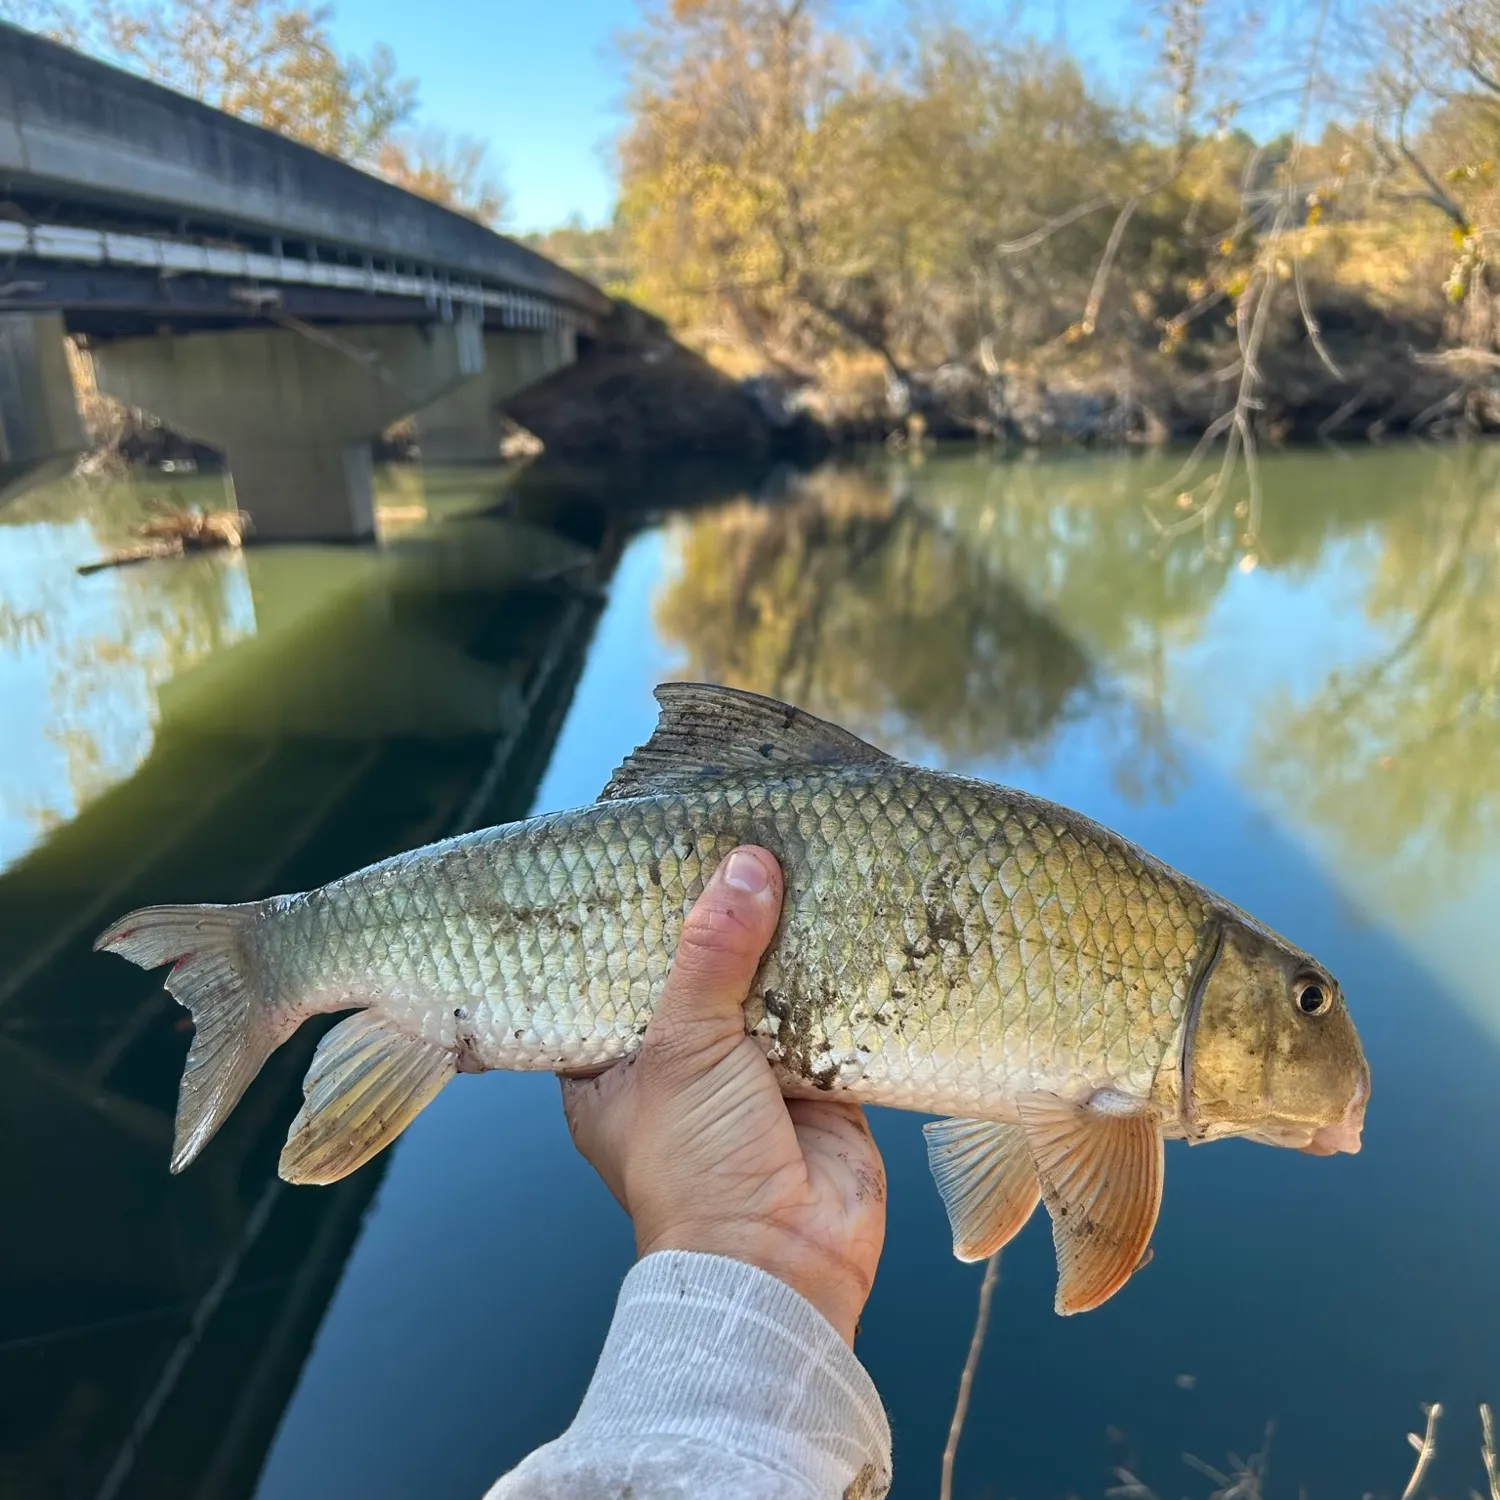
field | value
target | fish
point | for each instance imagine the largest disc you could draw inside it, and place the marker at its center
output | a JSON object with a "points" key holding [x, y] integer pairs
{"points": [[1061, 999]]}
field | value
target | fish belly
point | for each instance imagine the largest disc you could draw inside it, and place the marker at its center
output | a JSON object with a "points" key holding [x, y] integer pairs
{"points": [[945, 945]]}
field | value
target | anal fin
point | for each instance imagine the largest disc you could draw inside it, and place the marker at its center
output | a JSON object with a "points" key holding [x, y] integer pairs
{"points": [[367, 1083], [988, 1181], [1101, 1177]]}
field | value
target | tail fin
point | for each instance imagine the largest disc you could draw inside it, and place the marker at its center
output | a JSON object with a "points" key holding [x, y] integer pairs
{"points": [[237, 1025]]}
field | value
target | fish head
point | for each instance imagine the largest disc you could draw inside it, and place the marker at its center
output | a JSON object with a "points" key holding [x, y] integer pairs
{"points": [[1270, 1051]]}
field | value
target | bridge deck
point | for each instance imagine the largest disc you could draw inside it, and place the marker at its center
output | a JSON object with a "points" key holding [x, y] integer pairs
{"points": [[95, 155]]}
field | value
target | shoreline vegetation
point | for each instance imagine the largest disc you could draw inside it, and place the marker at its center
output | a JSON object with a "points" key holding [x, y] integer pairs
{"points": [[835, 230], [1252, 232]]}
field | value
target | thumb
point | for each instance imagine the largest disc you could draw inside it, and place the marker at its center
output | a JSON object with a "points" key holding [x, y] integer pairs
{"points": [[701, 1016]]}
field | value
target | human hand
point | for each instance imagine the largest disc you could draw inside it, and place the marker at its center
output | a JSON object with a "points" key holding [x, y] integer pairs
{"points": [[693, 1137]]}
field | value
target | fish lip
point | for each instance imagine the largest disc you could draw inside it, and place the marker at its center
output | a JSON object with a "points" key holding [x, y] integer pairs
{"points": [[1345, 1135], [1327, 1140], [1190, 1128]]}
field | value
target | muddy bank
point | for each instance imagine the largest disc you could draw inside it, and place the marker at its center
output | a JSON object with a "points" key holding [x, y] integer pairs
{"points": [[1360, 374], [637, 394], [1363, 374]]}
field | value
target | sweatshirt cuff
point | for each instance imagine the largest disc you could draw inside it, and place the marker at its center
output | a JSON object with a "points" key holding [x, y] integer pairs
{"points": [[710, 1348]]}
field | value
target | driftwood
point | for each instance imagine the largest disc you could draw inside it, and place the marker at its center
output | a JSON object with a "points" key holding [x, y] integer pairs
{"points": [[177, 534]]}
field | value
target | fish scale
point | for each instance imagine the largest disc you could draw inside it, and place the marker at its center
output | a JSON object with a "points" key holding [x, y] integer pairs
{"points": [[963, 967]]}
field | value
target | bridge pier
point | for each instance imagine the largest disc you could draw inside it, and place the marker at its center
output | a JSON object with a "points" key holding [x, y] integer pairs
{"points": [[40, 431], [463, 426], [294, 413]]}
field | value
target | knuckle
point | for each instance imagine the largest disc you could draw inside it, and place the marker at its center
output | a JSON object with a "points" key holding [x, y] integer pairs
{"points": [[678, 1044], [720, 935]]}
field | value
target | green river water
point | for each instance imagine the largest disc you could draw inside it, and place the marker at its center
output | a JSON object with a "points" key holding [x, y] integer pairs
{"points": [[1308, 721]]}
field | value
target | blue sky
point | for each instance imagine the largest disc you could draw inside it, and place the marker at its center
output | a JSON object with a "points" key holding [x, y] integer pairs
{"points": [[543, 84], [537, 80]]}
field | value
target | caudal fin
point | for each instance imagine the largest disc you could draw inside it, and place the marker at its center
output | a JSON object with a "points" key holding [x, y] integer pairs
{"points": [[236, 1024]]}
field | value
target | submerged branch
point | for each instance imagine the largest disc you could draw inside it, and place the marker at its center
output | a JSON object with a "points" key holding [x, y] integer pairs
{"points": [[1487, 1450], [174, 535], [1426, 1447], [966, 1380]]}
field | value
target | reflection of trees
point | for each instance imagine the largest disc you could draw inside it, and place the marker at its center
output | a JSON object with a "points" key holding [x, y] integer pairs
{"points": [[855, 603], [959, 619], [102, 645], [1399, 755], [1078, 540]]}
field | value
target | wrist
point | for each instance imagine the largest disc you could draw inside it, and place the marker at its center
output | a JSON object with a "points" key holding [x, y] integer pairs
{"points": [[832, 1284]]}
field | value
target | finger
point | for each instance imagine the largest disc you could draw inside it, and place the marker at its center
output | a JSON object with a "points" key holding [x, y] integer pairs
{"points": [[826, 1126], [598, 1114], [840, 1115], [839, 1136], [702, 1003]]}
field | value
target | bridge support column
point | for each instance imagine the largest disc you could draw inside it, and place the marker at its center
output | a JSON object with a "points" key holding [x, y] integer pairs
{"points": [[292, 413], [40, 431], [464, 427]]}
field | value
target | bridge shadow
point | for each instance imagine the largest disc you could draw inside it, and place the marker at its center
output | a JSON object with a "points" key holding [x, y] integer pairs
{"points": [[152, 1327]]}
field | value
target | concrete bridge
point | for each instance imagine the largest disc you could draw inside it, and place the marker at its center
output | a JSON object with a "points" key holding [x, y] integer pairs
{"points": [[253, 294]]}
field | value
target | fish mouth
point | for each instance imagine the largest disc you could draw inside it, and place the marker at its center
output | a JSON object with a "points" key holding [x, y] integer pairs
{"points": [[1318, 1140], [1344, 1136]]}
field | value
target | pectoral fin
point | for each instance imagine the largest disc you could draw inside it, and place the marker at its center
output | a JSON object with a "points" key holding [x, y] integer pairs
{"points": [[985, 1174], [367, 1083], [1101, 1177]]}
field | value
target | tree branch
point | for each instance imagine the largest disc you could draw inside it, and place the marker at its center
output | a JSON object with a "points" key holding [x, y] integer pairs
{"points": [[1044, 232], [1106, 264]]}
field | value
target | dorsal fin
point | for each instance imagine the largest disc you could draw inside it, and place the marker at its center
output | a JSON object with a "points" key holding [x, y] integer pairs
{"points": [[705, 730]]}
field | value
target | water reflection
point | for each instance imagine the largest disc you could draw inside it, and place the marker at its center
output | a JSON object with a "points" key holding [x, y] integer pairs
{"points": [[81, 660], [848, 598], [232, 727], [1397, 755], [855, 600], [241, 726]]}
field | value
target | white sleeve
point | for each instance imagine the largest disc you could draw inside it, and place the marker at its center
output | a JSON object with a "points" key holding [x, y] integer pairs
{"points": [[717, 1382]]}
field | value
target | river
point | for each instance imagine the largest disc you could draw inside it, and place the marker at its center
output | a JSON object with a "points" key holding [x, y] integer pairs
{"points": [[1307, 718]]}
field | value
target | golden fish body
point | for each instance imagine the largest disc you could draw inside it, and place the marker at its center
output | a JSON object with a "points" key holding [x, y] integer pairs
{"points": [[946, 945]]}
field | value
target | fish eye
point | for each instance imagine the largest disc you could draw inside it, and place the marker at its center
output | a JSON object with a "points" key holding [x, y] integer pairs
{"points": [[1313, 995]]}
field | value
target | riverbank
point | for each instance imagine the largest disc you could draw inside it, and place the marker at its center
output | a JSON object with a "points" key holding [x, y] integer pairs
{"points": [[1348, 371]]}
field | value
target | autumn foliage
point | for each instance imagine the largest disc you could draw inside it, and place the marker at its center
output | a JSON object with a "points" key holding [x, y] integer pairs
{"points": [[798, 190]]}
